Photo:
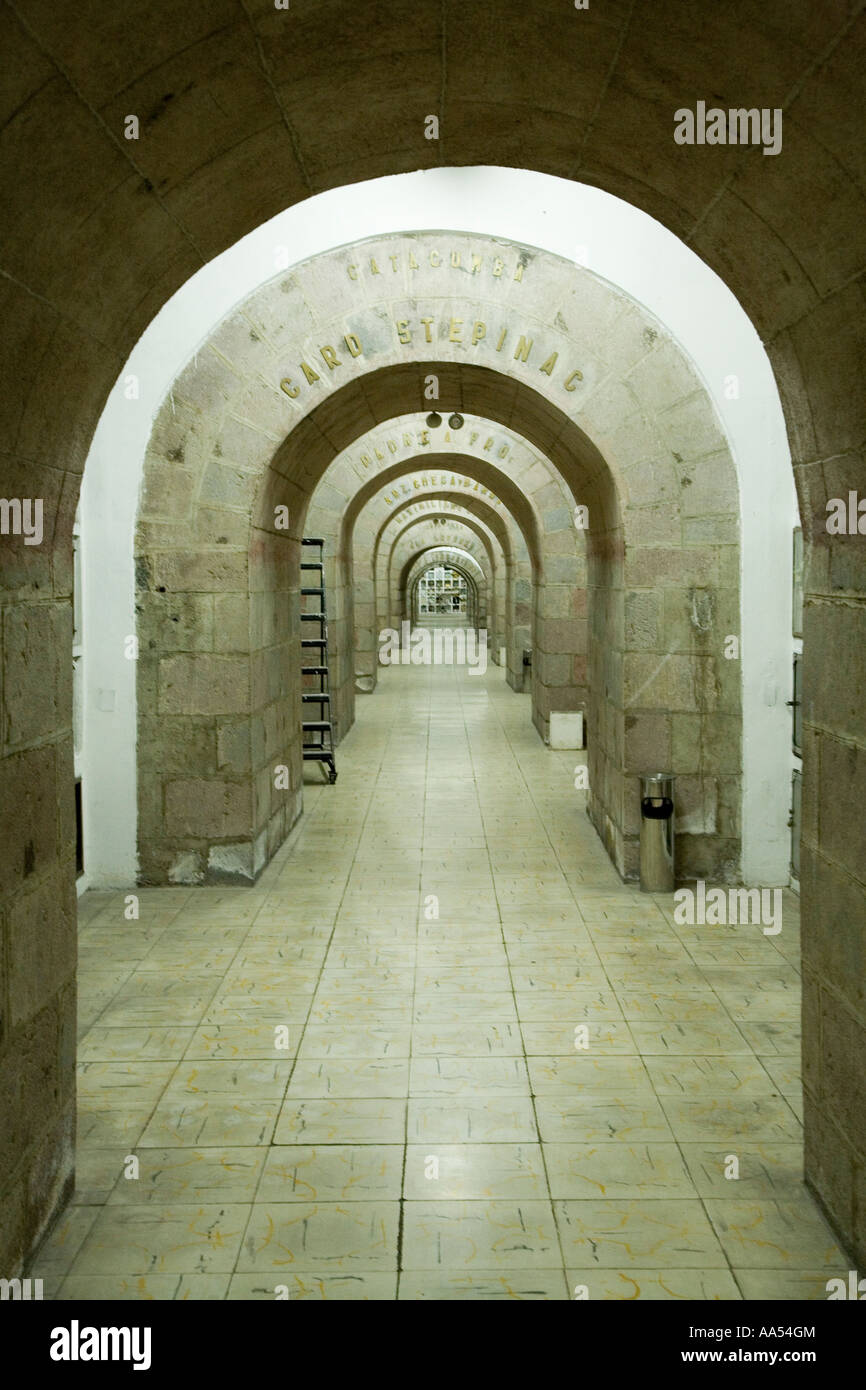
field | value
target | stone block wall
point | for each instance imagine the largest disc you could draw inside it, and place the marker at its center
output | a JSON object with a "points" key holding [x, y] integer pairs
{"points": [[275, 696], [833, 848], [522, 625], [37, 894], [603, 673], [682, 702]]}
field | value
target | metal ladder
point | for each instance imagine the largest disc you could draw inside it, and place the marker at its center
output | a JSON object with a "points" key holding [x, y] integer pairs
{"points": [[323, 750]]}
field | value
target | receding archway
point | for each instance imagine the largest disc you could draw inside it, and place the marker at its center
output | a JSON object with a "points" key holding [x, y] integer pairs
{"points": [[312, 444], [463, 536], [372, 549], [456, 599], [803, 298]]}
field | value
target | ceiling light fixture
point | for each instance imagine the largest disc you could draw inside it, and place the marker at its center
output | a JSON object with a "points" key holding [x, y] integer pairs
{"points": [[456, 421], [434, 420]]}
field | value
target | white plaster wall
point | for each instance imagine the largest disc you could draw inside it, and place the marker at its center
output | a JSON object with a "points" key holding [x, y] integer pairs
{"points": [[615, 241]]}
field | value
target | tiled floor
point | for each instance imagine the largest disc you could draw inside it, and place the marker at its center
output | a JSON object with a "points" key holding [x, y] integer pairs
{"points": [[439, 1051]]}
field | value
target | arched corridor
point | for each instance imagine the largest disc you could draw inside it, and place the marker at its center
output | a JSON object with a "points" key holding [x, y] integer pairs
{"points": [[505, 294], [573, 1061]]}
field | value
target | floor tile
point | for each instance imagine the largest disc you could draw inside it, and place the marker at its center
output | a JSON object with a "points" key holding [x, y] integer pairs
{"points": [[493, 1119], [338, 1076], [648, 1234], [617, 1171], [103, 1044], [177, 1239], [493, 1235], [144, 1288], [654, 1285], [210, 1121], [345, 1121], [314, 1286], [764, 1234], [598, 1117], [751, 1170], [731, 1120], [332, 1173], [445, 1287], [475, 1171], [189, 1175], [582, 1072], [459, 1076], [281, 1237]]}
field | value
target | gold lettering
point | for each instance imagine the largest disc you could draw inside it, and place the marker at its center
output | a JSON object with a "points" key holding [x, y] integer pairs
{"points": [[548, 366], [498, 265], [488, 443], [438, 260], [479, 331], [366, 460], [521, 352], [309, 373], [502, 338], [454, 331], [476, 264], [518, 274], [379, 455], [392, 446], [403, 331], [575, 376], [352, 272], [423, 438], [330, 358], [393, 260], [374, 269], [290, 390], [455, 259], [503, 451], [407, 440], [353, 345], [413, 264], [473, 436], [427, 335]]}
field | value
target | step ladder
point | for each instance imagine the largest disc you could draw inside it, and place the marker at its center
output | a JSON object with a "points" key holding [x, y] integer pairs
{"points": [[322, 749]]}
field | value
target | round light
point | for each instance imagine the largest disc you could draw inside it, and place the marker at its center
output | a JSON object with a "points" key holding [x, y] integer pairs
{"points": [[456, 421], [434, 420]]}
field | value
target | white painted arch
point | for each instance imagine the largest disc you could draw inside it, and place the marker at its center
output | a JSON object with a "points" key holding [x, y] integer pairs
{"points": [[608, 236]]}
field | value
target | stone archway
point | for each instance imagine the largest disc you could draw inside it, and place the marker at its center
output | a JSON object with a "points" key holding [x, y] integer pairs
{"points": [[473, 574], [639, 536], [77, 260], [497, 541], [346, 495], [464, 534], [486, 462], [371, 552], [472, 559]]}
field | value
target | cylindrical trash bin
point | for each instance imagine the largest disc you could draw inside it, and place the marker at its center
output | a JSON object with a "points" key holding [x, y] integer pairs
{"points": [[657, 833]]}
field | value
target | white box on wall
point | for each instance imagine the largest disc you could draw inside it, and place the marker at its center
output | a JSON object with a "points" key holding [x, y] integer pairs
{"points": [[566, 729]]}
